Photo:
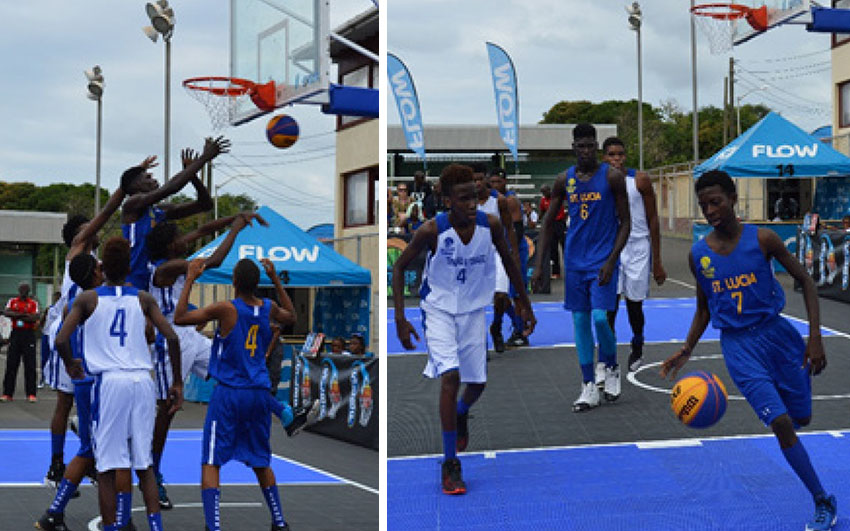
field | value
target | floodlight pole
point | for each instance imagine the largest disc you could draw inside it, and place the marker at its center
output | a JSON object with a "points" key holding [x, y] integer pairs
{"points": [[695, 137], [167, 150], [97, 157]]}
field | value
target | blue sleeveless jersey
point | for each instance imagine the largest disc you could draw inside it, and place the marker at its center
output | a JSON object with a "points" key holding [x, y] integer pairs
{"points": [[77, 338], [741, 288], [593, 221], [239, 360], [136, 233]]}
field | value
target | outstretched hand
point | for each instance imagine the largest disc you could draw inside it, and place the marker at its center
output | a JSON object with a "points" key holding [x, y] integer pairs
{"points": [[188, 156], [149, 163], [268, 267], [215, 146], [248, 216], [196, 267]]}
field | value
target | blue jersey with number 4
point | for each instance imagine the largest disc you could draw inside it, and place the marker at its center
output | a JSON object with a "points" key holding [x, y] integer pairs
{"points": [[239, 359], [741, 288], [114, 337]]}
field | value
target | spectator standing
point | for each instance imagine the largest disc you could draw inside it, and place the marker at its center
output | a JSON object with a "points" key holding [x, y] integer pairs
{"points": [[23, 311], [420, 190], [529, 217], [559, 229], [400, 204]]}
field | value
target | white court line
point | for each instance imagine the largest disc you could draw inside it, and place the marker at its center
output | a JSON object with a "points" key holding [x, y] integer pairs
{"points": [[660, 443], [96, 520], [334, 476]]}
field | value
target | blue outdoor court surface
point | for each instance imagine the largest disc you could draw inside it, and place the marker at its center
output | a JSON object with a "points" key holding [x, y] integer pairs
{"points": [[719, 484], [667, 320], [26, 457]]}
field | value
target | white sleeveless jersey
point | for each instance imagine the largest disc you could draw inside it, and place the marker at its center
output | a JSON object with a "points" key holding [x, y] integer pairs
{"points": [[491, 206], [166, 297], [114, 337], [640, 227], [460, 278]]}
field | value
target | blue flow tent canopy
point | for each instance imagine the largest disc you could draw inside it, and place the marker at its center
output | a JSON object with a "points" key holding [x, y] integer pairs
{"points": [[308, 262], [774, 147]]}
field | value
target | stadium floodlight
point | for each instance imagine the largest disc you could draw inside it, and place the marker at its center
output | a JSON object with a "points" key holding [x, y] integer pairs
{"points": [[635, 21], [162, 23], [95, 88]]}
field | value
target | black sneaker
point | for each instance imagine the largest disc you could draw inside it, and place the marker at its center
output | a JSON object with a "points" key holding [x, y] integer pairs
{"points": [[129, 526], [51, 522], [302, 417], [517, 340], [452, 480], [164, 503], [462, 432], [498, 340], [635, 360], [284, 527]]}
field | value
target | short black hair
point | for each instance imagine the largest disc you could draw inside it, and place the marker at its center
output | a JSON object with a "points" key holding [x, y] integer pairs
{"points": [[116, 259], [246, 276], [129, 176], [612, 141], [359, 337], [454, 174], [159, 238], [584, 130], [498, 171], [479, 167], [71, 227], [716, 178], [81, 269]]}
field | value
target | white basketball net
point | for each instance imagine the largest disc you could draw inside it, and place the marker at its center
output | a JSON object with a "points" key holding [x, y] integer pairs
{"points": [[221, 108], [719, 31]]}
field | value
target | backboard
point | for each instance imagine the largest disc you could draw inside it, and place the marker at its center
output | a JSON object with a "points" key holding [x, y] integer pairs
{"points": [[778, 12], [285, 41]]}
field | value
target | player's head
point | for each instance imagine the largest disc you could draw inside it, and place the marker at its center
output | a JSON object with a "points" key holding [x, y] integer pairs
{"points": [[337, 345], [419, 177], [24, 290], [85, 271], [163, 243], [137, 179], [498, 181], [357, 345], [479, 178], [457, 185], [116, 260], [246, 277], [72, 227], [479, 168], [585, 144], [716, 197], [614, 152]]}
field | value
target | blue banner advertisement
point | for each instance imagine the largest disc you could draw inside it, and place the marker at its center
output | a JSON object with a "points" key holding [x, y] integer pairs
{"points": [[507, 99], [408, 104]]}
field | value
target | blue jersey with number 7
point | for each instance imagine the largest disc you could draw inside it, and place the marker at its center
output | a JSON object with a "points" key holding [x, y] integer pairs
{"points": [[239, 359]]}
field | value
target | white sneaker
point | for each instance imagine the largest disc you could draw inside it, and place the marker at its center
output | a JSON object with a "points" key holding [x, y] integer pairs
{"points": [[589, 397], [600, 375], [612, 383]]}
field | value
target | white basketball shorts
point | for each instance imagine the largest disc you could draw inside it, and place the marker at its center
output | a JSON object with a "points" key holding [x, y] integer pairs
{"points": [[455, 342], [194, 357], [123, 410], [635, 269], [502, 281], [54, 373]]}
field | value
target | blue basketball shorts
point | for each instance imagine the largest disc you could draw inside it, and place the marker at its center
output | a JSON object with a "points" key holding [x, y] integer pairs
{"points": [[766, 364], [582, 292], [237, 427], [523, 268]]}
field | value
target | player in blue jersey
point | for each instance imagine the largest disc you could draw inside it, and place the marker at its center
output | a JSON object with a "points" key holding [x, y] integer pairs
{"points": [[499, 182], [85, 272], [766, 356], [143, 208], [642, 254], [239, 415], [598, 207], [115, 352], [458, 283], [166, 250]]}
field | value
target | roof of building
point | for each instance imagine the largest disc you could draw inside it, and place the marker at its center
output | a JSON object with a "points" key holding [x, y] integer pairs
{"points": [[18, 226]]}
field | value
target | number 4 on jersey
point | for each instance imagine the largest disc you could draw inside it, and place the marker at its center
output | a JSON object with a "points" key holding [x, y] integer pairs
{"points": [[251, 340], [117, 328]]}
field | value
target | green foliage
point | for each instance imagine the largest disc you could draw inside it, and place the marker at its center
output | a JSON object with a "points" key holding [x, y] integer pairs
{"points": [[667, 129]]}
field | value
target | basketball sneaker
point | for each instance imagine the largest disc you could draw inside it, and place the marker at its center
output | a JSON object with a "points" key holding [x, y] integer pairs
{"points": [[611, 390], [164, 502], [284, 527], [302, 417], [589, 397], [462, 432], [5, 398], [826, 508], [635, 360], [452, 478], [51, 522], [517, 340], [498, 340], [32, 399], [600, 375]]}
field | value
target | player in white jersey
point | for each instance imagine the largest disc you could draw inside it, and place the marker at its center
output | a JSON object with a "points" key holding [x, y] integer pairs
{"points": [[642, 249], [115, 352], [167, 250], [492, 202], [80, 235], [457, 285]]}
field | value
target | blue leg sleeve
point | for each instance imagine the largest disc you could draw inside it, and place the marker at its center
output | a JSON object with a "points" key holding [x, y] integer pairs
{"points": [[584, 342], [607, 343]]}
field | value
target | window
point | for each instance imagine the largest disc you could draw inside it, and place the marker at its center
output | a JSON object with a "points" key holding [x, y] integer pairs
{"points": [[840, 38], [844, 104], [363, 77], [360, 196]]}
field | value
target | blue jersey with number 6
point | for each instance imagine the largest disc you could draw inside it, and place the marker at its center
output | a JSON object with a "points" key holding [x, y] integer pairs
{"points": [[114, 335], [239, 359], [741, 288], [460, 277]]}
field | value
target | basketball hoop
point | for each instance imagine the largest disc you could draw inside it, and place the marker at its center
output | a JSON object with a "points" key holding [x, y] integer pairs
{"points": [[220, 96], [717, 22]]}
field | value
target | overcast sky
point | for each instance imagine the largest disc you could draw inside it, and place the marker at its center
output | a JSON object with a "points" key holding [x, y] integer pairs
{"points": [[47, 125], [584, 50]]}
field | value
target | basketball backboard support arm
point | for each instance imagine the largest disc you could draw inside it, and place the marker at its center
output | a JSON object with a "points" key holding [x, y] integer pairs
{"points": [[354, 46]]}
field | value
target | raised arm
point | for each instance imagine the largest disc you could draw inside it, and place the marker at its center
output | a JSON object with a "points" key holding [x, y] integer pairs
{"points": [[222, 311], [617, 182], [85, 237], [285, 313], [698, 326], [203, 203], [544, 235], [650, 206], [238, 222]]}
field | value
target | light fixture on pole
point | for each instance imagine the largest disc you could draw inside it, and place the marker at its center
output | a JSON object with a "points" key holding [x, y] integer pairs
{"points": [[162, 23], [95, 88], [738, 103], [635, 20]]}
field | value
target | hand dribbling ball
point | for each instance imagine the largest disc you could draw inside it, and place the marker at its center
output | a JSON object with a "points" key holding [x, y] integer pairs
{"points": [[282, 131], [699, 399]]}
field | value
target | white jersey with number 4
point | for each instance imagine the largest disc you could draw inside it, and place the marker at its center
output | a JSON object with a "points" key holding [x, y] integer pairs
{"points": [[114, 338], [460, 278]]}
